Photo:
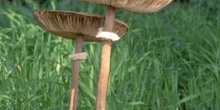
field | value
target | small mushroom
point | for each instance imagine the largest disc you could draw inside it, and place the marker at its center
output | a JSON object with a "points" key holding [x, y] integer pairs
{"points": [[79, 27], [146, 6]]}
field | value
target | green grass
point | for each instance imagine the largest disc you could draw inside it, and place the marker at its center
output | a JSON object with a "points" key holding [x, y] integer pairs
{"points": [[169, 60]]}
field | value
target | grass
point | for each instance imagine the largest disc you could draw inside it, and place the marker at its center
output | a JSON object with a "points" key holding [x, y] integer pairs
{"points": [[168, 60]]}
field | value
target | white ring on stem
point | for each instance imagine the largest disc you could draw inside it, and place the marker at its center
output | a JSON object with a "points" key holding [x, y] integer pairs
{"points": [[107, 35], [78, 56]]}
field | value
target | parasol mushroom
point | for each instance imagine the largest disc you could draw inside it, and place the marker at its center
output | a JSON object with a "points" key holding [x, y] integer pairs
{"points": [[76, 26], [142, 6]]}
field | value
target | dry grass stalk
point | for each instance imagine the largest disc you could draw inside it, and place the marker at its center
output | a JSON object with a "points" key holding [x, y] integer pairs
{"points": [[142, 6], [71, 24]]}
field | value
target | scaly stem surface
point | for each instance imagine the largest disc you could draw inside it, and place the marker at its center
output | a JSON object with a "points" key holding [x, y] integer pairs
{"points": [[75, 76], [105, 62]]}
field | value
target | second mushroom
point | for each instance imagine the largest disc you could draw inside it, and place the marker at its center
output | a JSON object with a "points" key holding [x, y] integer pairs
{"points": [[79, 27]]}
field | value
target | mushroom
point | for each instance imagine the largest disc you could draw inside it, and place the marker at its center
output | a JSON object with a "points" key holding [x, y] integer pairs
{"points": [[146, 6], [140, 6], [79, 27]]}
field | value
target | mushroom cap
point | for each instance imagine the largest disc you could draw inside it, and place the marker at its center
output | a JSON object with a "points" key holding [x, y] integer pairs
{"points": [[141, 6], [71, 25]]}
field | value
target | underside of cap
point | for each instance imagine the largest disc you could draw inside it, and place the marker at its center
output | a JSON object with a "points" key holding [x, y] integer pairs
{"points": [[141, 6], [71, 25]]}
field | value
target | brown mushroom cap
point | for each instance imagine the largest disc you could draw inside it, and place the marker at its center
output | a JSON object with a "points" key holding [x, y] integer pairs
{"points": [[71, 25], [142, 6]]}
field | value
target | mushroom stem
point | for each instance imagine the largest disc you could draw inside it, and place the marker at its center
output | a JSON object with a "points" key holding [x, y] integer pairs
{"points": [[75, 76], [105, 61]]}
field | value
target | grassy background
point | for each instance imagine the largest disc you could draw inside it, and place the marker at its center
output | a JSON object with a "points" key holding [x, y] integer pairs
{"points": [[169, 60]]}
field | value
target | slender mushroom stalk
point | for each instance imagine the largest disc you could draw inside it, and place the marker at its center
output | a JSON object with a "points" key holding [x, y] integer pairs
{"points": [[105, 61], [75, 76]]}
